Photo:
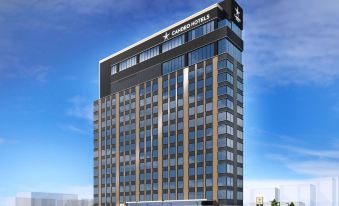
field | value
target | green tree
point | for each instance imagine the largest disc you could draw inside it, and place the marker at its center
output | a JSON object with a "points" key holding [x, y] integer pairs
{"points": [[274, 203], [291, 204]]}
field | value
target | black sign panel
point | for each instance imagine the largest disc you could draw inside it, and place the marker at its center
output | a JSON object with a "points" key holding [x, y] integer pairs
{"points": [[237, 15]]}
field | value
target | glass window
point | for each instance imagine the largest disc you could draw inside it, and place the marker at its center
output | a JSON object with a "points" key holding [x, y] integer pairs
{"points": [[225, 46], [209, 107], [114, 69], [200, 31], [240, 183], [209, 68], [223, 64], [127, 63], [222, 194], [223, 23], [191, 171], [230, 143], [209, 195], [240, 122], [229, 169], [225, 129], [240, 146], [225, 90], [222, 168], [239, 97], [239, 195], [240, 110], [239, 171], [225, 116], [200, 54], [225, 103], [209, 170], [225, 77], [221, 155], [240, 86], [236, 30], [209, 81], [222, 181], [230, 194], [240, 159], [239, 134], [200, 71], [240, 73], [209, 119], [231, 25], [173, 65], [149, 53], [175, 42], [229, 181], [191, 194]]}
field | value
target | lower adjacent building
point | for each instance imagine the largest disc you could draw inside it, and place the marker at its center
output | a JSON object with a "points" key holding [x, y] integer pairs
{"points": [[304, 193], [327, 191], [312, 192], [50, 199], [168, 124]]}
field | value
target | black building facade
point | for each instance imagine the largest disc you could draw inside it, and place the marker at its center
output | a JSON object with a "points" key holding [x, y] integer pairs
{"points": [[168, 127]]}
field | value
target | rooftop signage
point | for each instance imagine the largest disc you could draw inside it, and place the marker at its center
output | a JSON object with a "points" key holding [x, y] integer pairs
{"points": [[237, 15], [194, 23]]}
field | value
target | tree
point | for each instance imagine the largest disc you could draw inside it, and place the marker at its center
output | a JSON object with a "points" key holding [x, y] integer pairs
{"points": [[291, 204], [274, 203]]}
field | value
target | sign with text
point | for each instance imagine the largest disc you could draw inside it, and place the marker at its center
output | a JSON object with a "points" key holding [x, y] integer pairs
{"points": [[205, 18], [259, 201]]}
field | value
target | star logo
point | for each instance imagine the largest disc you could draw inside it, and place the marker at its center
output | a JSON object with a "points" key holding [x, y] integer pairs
{"points": [[166, 36], [237, 15]]}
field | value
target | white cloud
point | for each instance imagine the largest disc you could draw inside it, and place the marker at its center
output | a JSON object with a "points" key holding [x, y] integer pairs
{"points": [[313, 152], [75, 129], [270, 183], [80, 108], [38, 73], [304, 160], [277, 157], [335, 106], [315, 168], [53, 6], [6, 141], [293, 42], [309, 162]]}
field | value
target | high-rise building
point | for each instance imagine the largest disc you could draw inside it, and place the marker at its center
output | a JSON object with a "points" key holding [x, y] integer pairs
{"points": [[168, 125]]}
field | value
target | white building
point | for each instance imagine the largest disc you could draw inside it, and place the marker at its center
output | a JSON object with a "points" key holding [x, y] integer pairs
{"points": [[337, 183], [304, 193], [312, 192], [50, 199], [326, 191], [85, 202]]}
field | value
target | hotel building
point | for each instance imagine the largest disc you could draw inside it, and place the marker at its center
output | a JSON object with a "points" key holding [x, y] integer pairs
{"points": [[168, 124]]}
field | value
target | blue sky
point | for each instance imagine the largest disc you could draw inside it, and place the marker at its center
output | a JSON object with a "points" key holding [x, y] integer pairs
{"points": [[49, 53]]}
